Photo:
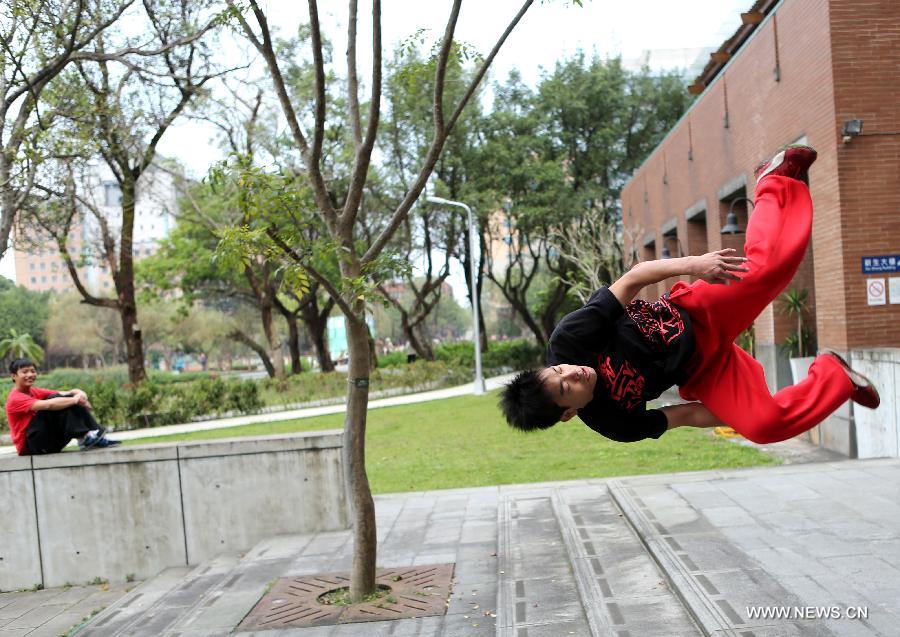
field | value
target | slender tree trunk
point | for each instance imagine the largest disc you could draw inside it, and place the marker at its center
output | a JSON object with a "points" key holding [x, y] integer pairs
{"points": [[7, 198], [373, 351], [417, 340], [293, 342], [131, 332], [522, 310], [362, 577], [134, 345], [317, 325], [548, 318], [260, 350], [275, 355], [482, 328], [476, 287]]}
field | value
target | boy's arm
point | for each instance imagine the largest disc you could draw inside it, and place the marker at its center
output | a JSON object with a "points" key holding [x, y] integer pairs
{"points": [[713, 267], [55, 404], [690, 415]]}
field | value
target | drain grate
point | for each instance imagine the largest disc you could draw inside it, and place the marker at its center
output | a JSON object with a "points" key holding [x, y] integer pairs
{"points": [[416, 591]]}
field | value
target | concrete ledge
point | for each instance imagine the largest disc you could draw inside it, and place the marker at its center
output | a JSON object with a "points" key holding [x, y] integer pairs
{"points": [[878, 431], [72, 517]]}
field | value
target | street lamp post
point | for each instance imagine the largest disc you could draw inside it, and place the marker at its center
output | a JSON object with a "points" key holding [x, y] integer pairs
{"points": [[473, 236]]}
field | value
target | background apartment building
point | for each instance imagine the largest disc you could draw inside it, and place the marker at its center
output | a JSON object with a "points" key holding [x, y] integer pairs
{"points": [[39, 265], [826, 73]]}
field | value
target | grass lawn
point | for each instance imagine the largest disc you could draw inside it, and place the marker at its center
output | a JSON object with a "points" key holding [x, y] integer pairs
{"points": [[464, 442]]}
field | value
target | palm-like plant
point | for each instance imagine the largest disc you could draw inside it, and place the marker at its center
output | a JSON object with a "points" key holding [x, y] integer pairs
{"points": [[17, 345], [795, 304]]}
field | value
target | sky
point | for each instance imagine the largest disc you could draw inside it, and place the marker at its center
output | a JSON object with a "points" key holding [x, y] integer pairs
{"points": [[551, 30]]}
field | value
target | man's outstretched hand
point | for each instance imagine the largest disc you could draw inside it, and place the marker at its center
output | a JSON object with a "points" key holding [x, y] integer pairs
{"points": [[718, 266]]}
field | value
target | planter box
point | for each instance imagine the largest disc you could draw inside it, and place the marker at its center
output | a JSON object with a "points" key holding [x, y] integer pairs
{"points": [[800, 367]]}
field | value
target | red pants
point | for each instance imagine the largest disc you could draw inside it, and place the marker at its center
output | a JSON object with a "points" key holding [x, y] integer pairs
{"points": [[727, 380]]}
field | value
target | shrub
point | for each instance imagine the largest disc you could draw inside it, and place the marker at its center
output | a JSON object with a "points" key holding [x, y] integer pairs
{"points": [[107, 401], [502, 355], [208, 395], [243, 397], [517, 354], [394, 359], [459, 354]]}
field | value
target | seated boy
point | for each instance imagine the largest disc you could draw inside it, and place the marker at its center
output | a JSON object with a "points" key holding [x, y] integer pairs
{"points": [[43, 421], [607, 359]]}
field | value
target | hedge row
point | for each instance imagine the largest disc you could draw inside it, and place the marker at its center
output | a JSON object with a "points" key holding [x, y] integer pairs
{"points": [[501, 356]]}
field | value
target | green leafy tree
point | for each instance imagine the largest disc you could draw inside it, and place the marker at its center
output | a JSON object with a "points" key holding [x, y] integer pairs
{"points": [[523, 183], [250, 134], [796, 305], [24, 310], [601, 121], [431, 236], [82, 335], [186, 261], [16, 345], [554, 161], [362, 263]]}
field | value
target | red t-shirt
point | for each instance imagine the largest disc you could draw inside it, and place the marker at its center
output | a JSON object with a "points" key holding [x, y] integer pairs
{"points": [[19, 413]]}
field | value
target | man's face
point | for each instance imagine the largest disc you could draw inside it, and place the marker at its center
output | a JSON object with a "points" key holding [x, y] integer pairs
{"points": [[24, 377], [572, 386]]}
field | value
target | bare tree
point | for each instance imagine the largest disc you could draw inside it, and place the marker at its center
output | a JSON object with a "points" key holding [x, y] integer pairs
{"points": [[527, 257], [594, 248], [129, 106], [358, 263], [415, 241], [38, 41]]}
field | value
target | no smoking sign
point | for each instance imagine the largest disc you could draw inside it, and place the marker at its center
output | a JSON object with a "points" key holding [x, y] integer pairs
{"points": [[876, 292]]}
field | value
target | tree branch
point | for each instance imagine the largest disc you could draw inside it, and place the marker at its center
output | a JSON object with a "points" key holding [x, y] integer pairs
{"points": [[352, 77], [346, 308], [363, 158], [437, 143]]}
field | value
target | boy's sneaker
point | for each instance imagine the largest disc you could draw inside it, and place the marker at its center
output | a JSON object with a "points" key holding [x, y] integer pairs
{"points": [[791, 161], [90, 440], [96, 440], [105, 443], [864, 392]]}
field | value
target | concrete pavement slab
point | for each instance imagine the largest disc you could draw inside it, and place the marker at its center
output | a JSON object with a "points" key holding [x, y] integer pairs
{"points": [[567, 558]]}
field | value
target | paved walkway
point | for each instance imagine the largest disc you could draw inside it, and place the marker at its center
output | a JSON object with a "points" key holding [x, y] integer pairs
{"points": [[293, 414], [54, 611], [669, 555], [673, 555]]}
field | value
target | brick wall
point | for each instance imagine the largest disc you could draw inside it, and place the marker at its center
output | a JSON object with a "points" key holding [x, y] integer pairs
{"points": [[865, 43], [854, 187]]}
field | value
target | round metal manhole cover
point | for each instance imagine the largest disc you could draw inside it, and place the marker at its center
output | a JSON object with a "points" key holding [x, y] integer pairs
{"points": [[416, 591]]}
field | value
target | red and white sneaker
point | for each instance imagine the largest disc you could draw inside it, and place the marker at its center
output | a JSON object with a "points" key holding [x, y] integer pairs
{"points": [[791, 161], [864, 392]]}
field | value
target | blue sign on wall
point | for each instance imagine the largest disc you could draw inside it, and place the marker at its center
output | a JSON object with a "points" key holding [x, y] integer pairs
{"points": [[880, 264]]}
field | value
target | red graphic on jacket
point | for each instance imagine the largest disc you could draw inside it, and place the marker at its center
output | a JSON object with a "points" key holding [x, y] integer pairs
{"points": [[659, 322], [625, 385]]}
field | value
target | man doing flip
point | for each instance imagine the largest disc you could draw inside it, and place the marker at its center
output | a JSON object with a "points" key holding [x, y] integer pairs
{"points": [[608, 358]]}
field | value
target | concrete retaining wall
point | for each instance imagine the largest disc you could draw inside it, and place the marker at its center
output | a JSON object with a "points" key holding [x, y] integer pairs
{"points": [[878, 431], [71, 517], [858, 432]]}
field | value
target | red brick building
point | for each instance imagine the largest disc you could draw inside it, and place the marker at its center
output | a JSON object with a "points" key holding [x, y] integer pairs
{"points": [[797, 70]]}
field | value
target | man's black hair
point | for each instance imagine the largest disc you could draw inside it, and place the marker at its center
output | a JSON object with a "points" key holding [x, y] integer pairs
{"points": [[19, 363], [526, 403]]}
